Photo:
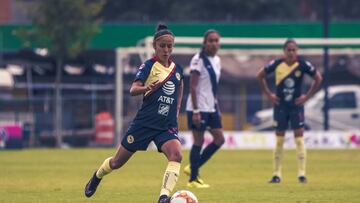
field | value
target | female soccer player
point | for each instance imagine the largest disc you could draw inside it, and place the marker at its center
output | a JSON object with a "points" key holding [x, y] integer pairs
{"points": [[160, 81], [288, 102], [202, 109]]}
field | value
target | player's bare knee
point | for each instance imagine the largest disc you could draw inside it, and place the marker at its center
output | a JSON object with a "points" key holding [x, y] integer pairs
{"points": [[116, 163], [175, 156], [198, 141], [219, 140]]}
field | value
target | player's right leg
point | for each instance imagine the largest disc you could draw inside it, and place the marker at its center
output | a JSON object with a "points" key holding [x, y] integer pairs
{"points": [[195, 155], [172, 150], [212, 148], [207, 153], [301, 154], [192, 169], [216, 131], [281, 124], [121, 157], [297, 123], [278, 153]]}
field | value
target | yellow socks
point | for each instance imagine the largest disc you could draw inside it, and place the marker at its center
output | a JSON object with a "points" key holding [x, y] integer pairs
{"points": [[104, 169], [301, 155], [170, 178], [278, 152]]}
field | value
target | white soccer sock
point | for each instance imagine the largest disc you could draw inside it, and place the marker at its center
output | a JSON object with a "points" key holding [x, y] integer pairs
{"points": [[104, 168], [170, 178], [301, 155], [278, 152]]}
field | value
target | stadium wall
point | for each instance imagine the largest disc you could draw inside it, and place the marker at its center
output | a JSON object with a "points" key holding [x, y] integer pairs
{"points": [[126, 35]]}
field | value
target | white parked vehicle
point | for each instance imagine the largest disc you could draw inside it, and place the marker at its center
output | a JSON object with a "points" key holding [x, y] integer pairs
{"points": [[344, 110]]}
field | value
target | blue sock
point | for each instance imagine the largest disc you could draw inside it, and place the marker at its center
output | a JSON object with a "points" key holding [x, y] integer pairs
{"points": [[194, 161], [207, 153]]}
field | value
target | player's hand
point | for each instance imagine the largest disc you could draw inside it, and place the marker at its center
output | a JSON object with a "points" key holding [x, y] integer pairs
{"points": [[301, 100], [274, 99], [196, 118]]}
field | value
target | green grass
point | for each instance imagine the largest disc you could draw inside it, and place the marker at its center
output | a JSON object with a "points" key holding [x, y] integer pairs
{"points": [[48, 175]]}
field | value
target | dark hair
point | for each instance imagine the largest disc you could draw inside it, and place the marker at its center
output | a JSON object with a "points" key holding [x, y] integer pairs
{"points": [[161, 30], [207, 33], [288, 41]]}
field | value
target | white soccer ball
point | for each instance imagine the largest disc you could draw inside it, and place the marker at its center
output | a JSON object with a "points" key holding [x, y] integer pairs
{"points": [[183, 196]]}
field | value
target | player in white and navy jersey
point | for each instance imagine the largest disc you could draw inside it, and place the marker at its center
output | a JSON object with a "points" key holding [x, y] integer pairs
{"points": [[202, 108]]}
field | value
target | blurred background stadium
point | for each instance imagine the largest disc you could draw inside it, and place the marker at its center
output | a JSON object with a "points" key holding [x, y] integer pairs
{"points": [[92, 86]]}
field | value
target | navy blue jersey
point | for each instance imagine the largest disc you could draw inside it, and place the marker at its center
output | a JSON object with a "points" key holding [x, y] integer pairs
{"points": [[159, 108], [289, 79]]}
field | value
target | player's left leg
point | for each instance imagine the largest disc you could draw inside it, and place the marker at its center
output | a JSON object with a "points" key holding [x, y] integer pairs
{"points": [[210, 150], [297, 123], [193, 168], [172, 150], [301, 154], [216, 131], [195, 180], [281, 124]]}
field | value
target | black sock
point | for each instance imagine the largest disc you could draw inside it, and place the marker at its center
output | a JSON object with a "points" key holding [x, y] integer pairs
{"points": [[207, 153], [194, 161]]}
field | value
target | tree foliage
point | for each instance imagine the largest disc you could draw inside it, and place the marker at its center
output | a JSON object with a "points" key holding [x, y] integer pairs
{"points": [[66, 25]]}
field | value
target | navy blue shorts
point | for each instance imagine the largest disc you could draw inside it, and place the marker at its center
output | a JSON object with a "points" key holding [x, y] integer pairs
{"points": [[284, 115], [138, 138], [208, 120]]}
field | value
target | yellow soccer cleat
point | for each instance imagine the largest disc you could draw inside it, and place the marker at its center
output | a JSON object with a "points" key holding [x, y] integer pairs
{"points": [[197, 184], [187, 171]]}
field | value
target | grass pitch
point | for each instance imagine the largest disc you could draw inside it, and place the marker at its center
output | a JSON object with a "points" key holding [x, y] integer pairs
{"points": [[48, 175]]}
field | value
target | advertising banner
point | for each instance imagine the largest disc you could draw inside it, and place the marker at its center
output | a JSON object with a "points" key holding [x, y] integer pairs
{"points": [[266, 140], [10, 136]]}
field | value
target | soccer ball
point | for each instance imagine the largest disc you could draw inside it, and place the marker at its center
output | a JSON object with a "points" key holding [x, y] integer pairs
{"points": [[183, 196]]}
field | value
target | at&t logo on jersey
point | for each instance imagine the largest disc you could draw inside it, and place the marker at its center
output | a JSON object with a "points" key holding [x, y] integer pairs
{"points": [[165, 99], [169, 88]]}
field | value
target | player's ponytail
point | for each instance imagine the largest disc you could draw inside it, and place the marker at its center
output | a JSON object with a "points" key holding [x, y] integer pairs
{"points": [[162, 29]]}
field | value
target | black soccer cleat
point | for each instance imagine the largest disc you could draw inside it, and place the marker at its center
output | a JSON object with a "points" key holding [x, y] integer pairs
{"points": [[302, 179], [164, 199], [91, 186], [275, 179]]}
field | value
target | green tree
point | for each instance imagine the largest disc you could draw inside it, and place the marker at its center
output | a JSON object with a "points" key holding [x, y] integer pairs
{"points": [[65, 27]]}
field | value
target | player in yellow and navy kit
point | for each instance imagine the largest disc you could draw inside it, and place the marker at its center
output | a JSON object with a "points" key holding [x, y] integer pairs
{"points": [[288, 102], [160, 80]]}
